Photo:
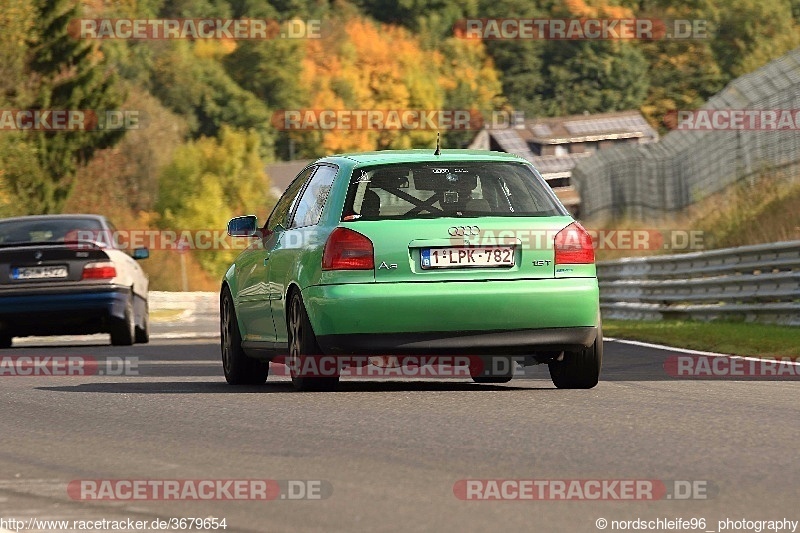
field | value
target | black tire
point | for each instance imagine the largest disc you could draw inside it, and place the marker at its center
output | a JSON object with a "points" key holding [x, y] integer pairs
{"points": [[123, 331], [143, 333], [5, 341], [238, 368], [492, 369], [579, 370], [303, 346]]}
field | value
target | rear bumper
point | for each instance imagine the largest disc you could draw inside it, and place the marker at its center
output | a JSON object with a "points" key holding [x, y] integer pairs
{"points": [[45, 313], [513, 342], [517, 316]]}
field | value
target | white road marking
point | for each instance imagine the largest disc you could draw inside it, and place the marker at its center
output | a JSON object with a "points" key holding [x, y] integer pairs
{"points": [[103, 338], [688, 351]]}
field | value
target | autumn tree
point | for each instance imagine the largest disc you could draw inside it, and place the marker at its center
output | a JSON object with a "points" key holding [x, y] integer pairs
{"points": [[71, 74], [368, 66], [210, 180], [199, 88], [750, 33]]}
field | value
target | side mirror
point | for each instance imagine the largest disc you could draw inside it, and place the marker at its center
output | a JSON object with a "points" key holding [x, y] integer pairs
{"points": [[245, 226], [141, 253]]}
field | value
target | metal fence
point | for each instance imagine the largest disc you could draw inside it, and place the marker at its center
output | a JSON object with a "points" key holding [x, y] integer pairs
{"points": [[685, 166], [753, 283]]}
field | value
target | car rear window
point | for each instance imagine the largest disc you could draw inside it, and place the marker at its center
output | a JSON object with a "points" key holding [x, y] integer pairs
{"points": [[453, 189], [44, 230]]}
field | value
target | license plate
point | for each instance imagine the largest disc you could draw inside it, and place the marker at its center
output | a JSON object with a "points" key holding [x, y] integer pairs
{"points": [[39, 272], [494, 256]]}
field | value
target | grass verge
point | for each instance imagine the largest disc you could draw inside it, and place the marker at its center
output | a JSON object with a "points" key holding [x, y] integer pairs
{"points": [[762, 210], [737, 338]]}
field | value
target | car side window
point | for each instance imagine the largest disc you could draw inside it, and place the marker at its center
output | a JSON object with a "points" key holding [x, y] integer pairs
{"points": [[309, 208], [280, 214]]}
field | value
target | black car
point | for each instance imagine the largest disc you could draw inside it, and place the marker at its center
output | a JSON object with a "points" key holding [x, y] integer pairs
{"points": [[61, 275]]}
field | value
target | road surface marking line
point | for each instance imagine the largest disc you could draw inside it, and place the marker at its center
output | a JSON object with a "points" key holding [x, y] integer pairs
{"points": [[688, 351]]}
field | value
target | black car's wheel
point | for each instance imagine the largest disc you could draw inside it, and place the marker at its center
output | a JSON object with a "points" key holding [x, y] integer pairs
{"points": [[123, 331], [5, 341], [579, 370], [305, 364], [239, 369], [492, 369], [143, 333]]}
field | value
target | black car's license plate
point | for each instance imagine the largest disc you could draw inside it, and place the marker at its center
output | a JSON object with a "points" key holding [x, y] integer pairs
{"points": [[39, 272]]}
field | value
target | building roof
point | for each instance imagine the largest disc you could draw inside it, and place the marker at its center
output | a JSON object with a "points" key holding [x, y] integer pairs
{"points": [[565, 130], [587, 128], [557, 164]]}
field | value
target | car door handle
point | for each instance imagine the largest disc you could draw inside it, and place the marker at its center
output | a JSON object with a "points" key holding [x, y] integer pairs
{"points": [[266, 258]]}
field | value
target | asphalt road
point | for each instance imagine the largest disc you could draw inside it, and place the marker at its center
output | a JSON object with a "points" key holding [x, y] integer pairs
{"points": [[388, 453]]}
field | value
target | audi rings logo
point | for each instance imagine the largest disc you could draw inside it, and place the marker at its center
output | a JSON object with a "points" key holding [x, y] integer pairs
{"points": [[463, 231]]}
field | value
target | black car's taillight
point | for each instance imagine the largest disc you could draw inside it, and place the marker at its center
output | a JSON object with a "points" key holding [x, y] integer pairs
{"points": [[105, 270]]}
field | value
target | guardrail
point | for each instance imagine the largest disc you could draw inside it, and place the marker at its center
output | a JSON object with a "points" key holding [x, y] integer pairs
{"points": [[193, 301], [752, 283]]}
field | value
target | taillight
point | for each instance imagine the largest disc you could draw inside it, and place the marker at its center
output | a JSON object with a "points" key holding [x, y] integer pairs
{"points": [[99, 271], [347, 250], [573, 246]]}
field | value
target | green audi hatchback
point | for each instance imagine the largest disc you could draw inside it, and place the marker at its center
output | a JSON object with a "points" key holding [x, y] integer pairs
{"points": [[400, 253]]}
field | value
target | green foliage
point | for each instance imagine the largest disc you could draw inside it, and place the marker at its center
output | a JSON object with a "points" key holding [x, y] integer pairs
{"points": [[16, 24], [270, 70], [210, 180], [195, 9], [683, 75], [433, 20], [749, 33], [593, 77], [72, 75], [200, 89], [23, 182], [521, 62]]}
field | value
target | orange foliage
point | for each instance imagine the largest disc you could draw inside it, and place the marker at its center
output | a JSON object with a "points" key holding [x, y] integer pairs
{"points": [[601, 8], [362, 65], [366, 66]]}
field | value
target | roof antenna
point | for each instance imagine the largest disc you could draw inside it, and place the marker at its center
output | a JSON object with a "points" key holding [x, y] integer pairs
{"points": [[437, 152]]}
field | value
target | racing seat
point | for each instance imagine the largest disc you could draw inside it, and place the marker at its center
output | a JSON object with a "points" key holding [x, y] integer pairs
{"points": [[371, 204], [478, 205]]}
